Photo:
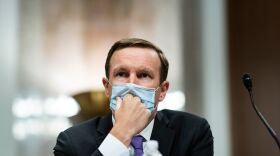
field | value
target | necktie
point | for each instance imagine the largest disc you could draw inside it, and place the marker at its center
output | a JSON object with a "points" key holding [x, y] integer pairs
{"points": [[137, 144]]}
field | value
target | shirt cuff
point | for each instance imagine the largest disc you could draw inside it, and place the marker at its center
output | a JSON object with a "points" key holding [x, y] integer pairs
{"points": [[112, 146]]}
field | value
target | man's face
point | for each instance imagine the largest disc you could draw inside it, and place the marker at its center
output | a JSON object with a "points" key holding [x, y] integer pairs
{"points": [[140, 66]]}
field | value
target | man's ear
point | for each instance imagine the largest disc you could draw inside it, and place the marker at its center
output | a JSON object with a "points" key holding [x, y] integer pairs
{"points": [[163, 90], [106, 85]]}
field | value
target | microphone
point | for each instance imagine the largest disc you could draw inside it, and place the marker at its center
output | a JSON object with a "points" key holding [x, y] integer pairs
{"points": [[247, 81]]}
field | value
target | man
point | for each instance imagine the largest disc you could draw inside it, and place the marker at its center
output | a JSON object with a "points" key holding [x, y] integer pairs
{"points": [[136, 72]]}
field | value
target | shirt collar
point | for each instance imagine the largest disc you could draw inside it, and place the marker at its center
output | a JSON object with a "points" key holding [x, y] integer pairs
{"points": [[146, 132]]}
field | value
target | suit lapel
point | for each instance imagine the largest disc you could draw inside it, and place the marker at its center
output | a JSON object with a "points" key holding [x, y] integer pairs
{"points": [[104, 127], [163, 134]]}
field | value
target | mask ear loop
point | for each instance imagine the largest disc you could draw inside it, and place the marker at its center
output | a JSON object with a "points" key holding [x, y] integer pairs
{"points": [[109, 82], [157, 88], [155, 93]]}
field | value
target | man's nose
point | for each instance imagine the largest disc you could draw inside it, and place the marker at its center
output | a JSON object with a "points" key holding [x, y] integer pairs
{"points": [[132, 79]]}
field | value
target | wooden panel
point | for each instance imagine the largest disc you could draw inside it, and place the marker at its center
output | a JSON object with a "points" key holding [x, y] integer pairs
{"points": [[254, 46]]}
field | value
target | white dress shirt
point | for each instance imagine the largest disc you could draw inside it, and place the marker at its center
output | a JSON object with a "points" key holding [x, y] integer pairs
{"points": [[112, 146]]}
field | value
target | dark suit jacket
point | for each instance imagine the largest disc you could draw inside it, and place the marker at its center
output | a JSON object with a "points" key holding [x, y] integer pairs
{"points": [[178, 134]]}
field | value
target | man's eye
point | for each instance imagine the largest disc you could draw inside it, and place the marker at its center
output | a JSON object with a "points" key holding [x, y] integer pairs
{"points": [[121, 74], [144, 75]]}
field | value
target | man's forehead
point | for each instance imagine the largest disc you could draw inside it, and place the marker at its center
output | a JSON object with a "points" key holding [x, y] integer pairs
{"points": [[134, 55], [136, 51]]}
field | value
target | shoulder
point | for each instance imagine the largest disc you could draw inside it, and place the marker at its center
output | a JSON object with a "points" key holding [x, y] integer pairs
{"points": [[81, 131], [174, 116], [182, 121], [91, 128], [89, 133], [189, 126], [85, 125]]}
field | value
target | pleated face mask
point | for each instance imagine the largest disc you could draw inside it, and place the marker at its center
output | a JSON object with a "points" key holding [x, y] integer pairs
{"points": [[147, 95]]}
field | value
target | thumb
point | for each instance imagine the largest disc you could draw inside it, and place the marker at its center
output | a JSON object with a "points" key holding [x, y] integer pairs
{"points": [[119, 102]]}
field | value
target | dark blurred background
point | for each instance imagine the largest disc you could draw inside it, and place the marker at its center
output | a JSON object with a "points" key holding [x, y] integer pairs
{"points": [[52, 56]]}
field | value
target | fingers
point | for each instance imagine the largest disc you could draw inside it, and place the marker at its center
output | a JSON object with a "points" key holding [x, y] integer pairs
{"points": [[137, 99], [134, 105], [129, 97]]}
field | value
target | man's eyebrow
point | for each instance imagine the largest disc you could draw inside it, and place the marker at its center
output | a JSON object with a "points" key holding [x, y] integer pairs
{"points": [[120, 68], [146, 70], [117, 69]]}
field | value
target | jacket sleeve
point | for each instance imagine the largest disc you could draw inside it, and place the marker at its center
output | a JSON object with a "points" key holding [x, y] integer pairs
{"points": [[203, 140], [64, 147]]}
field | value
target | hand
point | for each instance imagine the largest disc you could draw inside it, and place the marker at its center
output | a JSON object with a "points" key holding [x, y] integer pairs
{"points": [[131, 118]]}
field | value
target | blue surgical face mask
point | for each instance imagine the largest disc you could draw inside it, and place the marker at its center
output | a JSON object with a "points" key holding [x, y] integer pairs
{"points": [[147, 95]]}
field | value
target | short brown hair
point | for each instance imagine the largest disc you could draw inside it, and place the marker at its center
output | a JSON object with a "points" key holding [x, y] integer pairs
{"points": [[141, 43]]}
